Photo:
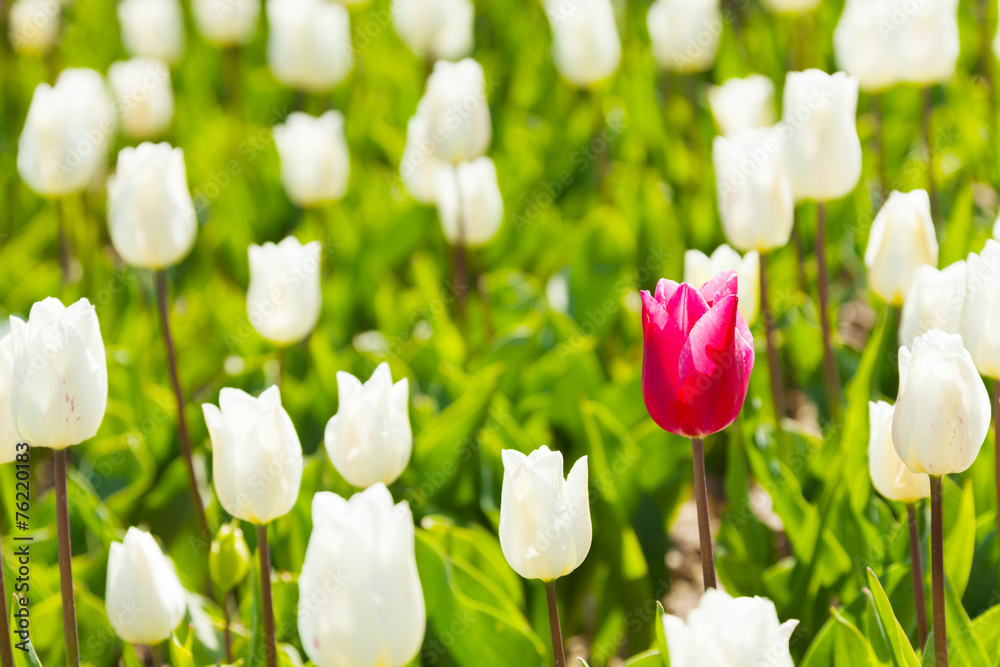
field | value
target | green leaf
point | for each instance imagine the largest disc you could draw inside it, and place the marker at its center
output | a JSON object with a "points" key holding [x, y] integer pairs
{"points": [[661, 637], [651, 658], [839, 644], [965, 649], [987, 627], [129, 658], [959, 532], [24, 650], [900, 650], [180, 656]]}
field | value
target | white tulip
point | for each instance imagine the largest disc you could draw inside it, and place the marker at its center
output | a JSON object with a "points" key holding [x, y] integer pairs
{"points": [[369, 440], [226, 22], [791, 6], [283, 299], [144, 95], [152, 28], [742, 104], [724, 631], [144, 599], [980, 323], [889, 474], [585, 43], [455, 114], [927, 42], [901, 239], [934, 301], [685, 33], [469, 202], [60, 387], [69, 128], [360, 599], [309, 43], [256, 455], [435, 29], [8, 428], [34, 26], [151, 216], [756, 199], [315, 164], [545, 529], [943, 411], [865, 48], [822, 149], [699, 268], [419, 166]]}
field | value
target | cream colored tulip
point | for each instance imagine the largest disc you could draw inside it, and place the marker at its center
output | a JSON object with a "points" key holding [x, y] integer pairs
{"points": [[435, 29], [144, 95], [685, 33], [935, 300], [699, 268], [283, 298], [315, 164], [742, 104], [980, 323], [901, 239], [585, 43], [34, 26], [152, 28], [469, 203], [309, 43], [889, 474]]}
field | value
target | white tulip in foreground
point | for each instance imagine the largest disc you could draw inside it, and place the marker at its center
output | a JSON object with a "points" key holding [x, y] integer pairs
{"points": [[145, 99], [469, 202], [865, 48], [360, 599], [901, 239], [70, 126], [151, 216], [742, 104], [822, 149], [369, 440], [283, 298], [724, 631], [943, 411], [34, 26], [699, 268], [309, 43], [980, 324], [685, 33], [315, 164], [152, 28], [226, 22], [935, 300], [59, 391], [256, 455], [585, 43], [435, 29], [144, 599], [8, 429], [889, 474], [545, 529]]}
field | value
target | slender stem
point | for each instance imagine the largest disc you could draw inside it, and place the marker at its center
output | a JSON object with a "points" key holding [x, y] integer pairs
{"points": [[6, 655], [270, 646], [773, 361], [880, 144], [918, 574], [929, 143], [557, 641], [157, 652], [227, 633], [996, 444], [800, 253], [182, 429], [701, 501], [461, 273], [65, 560], [823, 278], [937, 575], [64, 255]]}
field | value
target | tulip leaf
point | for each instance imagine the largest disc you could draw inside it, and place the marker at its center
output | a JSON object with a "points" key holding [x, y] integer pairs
{"points": [[129, 657], [959, 532], [24, 650], [651, 658], [661, 637], [965, 648], [901, 652], [180, 655], [987, 628]]}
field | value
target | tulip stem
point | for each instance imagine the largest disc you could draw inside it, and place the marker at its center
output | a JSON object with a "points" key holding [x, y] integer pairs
{"points": [[157, 655], [270, 646], [996, 446], [65, 560], [64, 259], [800, 253], [701, 501], [823, 278], [557, 642], [182, 429], [929, 143], [918, 574], [880, 144], [6, 654], [773, 361], [461, 278], [937, 574], [228, 634]]}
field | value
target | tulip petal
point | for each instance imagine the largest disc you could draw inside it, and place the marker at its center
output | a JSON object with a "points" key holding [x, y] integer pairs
{"points": [[686, 306], [722, 285]]}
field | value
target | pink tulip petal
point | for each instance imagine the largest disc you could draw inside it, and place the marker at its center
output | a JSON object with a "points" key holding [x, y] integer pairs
{"points": [[722, 285], [686, 306], [665, 289]]}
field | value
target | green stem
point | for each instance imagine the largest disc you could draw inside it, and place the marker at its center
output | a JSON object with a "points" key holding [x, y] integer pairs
{"points": [[918, 574], [557, 642], [701, 502], [6, 655], [937, 574], [270, 645], [65, 560]]}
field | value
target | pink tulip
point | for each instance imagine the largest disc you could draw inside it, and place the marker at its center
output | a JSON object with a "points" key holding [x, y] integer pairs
{"points": [[697, 356]]}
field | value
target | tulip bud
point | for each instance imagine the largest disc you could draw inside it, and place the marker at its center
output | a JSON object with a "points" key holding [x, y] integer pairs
{"points": [[229, 558], [144, 599], [943, 411], [314, 160], [545, 529], [8, 428], [889, 474], [309, 43], [822, 149], [469, 202], [934, 301], [283, 299], [791, 6], [419, 166], [256, 455], [864, 48], [69, 128], [152, 28], [455, 111], [980, 321], [435, 29], [742, 104], [360, 564], [369, 440], [697, 355], [726, 631], [145, 98], [756, 200], [585, 43], [685, 33], [151, 215], [34, 26], [60, 388], [699, 268], [919, 24], [226, 22], [901, 239]]}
